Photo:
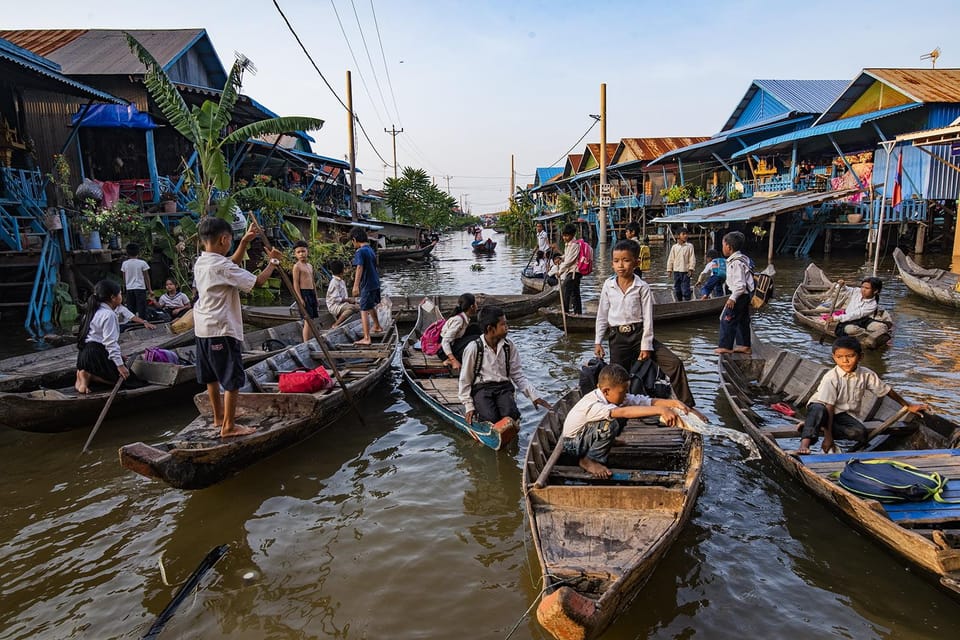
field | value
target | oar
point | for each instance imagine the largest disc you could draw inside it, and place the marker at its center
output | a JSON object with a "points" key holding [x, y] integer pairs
{"points": [[563, 312], [313, 329], [833, 306], [191, 583], [103, 412], [889, 422], [541, 481]]}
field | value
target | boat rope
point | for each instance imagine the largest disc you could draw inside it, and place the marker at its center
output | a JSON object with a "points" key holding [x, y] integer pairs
{"points": [[535, 601]]}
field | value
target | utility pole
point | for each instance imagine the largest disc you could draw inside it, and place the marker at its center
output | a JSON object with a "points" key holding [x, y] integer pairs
{"points": [[604, 187], [513, 179], [448, 183], [393, 131], [354, 215]]}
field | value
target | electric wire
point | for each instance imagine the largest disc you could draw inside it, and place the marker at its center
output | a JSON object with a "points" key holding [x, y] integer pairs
{"points": [[366, 49], [574, 146], [386, 68], [356, 62]]}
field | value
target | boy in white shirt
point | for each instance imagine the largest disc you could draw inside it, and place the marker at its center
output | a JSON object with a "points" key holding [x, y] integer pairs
{"points": [[681, 264], [218, 324], [735, 319], [339, 304], [136, 277], [592, 425]]}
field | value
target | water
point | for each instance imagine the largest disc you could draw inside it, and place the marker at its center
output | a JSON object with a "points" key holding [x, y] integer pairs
{"points": [[405, 528]]}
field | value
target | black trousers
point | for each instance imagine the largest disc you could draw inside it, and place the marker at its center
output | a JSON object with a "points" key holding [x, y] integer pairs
{"points": [[137, 302], [493, 401], [625, 349], [845, 426], [571, 294]]}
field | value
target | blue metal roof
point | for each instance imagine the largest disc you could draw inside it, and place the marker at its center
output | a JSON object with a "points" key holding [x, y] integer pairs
{"points": [[544, 174], [755, 208], [844, 124], [796, 96], [49, 69]]}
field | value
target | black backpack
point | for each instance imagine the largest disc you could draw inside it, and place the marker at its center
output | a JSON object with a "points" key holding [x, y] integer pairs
{"points": [[589, 373], [647, 379]]}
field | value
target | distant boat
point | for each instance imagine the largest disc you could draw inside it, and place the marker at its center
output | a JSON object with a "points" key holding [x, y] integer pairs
{"points": [[936, 285], [405, 253], [664, 308], [485, 247]]}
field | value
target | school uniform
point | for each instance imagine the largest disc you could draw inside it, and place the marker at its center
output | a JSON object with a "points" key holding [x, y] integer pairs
{"points": [[626, 318], [845, 392], [217, 320], [858, 311], [543, 243], [134, 271], [168, 303], [714, 274], [100, 352], [337, 297], [589, 430], [456, 334], [735, 322], [490, 391], [681, 262], [570, 278]]}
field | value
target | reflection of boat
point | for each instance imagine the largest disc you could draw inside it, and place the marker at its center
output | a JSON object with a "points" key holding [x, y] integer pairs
{"points": [[56, 367], [935, 285], [817, 290], [599, 540], [197, 457], [920, 532], [53, 410], [664, 308], [487, 246], [405, 253], [435, 384]]}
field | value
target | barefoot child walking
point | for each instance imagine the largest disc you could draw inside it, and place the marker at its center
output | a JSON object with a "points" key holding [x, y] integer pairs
{"points": [[366, 283], [217, 320], [305, 285]]}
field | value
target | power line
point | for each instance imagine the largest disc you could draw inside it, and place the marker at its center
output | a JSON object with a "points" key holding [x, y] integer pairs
{"points": [[386, 68], [373, 69], [567, 152], [357, 63]]}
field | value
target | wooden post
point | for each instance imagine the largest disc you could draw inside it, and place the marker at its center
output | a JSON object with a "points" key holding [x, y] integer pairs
{"points": [[888, 147], [921, 237], [827, 240], [513, 179], [773, 226], [353, 153], [602, 214]]}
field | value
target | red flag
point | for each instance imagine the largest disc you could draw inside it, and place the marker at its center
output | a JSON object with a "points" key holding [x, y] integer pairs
{"points": [[897, 191]]}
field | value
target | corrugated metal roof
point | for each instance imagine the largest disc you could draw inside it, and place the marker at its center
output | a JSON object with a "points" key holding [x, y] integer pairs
{"points": [[544, 174], [844, 124], [922, 85], [800, 96], [42, 42], [750, 209], [43, 67], [650, 148]]}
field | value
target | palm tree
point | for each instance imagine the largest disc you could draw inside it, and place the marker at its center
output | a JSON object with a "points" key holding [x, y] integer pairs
{"points": [[204, 127]]}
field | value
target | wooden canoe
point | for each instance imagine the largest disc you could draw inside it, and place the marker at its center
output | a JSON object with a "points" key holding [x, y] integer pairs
{"points": [[815, 296], [598, 541], [486, 247], [57, 367], [392, 254], [44, 410], [664, 308], [198, 457], [530, 283], [935, 285], [437, 386], [405, 308], [922, 533]]}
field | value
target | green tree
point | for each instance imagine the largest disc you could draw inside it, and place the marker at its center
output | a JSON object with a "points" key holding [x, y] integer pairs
{"points": [[205, 128], [415, 200]]}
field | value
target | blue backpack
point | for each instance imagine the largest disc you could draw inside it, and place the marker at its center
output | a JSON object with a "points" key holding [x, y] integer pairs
{"points": [[890, 481]]}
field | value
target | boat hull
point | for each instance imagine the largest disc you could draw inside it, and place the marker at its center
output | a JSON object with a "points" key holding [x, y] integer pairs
{"points": [[664, 309], [935, 285]]}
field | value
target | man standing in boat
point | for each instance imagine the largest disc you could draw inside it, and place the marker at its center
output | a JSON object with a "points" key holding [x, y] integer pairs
{"points": [[543, 242]]}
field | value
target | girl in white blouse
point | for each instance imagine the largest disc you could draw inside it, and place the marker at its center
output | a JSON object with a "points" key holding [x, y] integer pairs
{"points": [[862, 305], [99, 359], [458, 330]]}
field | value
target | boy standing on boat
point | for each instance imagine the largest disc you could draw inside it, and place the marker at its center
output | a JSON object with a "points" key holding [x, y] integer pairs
{"points": [[489, 370], [569, 275], [366, 283], [735, 319], [625, 312], [681, 264], [338, 304], [216, 317], [592, 425], [135, 277], [305, 285], [543, 243], [839, 395]]}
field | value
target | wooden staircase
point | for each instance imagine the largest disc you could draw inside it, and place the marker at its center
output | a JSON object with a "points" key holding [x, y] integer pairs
{"points": [[18, 270]]}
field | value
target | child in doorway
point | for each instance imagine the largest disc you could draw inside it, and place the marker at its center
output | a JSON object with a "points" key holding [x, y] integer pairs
{"points": [[735, 319], [136, 277], [713, 276], [568, 273], [305, 285], [338, 304], [458, 331], [217, 321], [489, 370], [832, 409], [366, 283], [681, 264], [593, 424], [99, 359], [174, 302]]}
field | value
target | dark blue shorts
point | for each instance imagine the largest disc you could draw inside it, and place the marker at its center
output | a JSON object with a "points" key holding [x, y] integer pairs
{"points": [[220, 360], [310, 302], [369, 299]]}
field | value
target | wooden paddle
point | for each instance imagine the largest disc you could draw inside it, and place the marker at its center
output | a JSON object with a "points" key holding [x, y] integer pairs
{"points": [[563, 312], [103, 413], [313, 328], [191, 583], [889, 422], [541, 481], [833, 306]]}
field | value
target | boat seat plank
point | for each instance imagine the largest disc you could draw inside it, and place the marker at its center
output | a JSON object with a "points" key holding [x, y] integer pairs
{"points": [[915, 453], [632, 476]]}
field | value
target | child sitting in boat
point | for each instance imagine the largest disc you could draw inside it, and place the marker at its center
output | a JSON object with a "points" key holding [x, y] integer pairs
{"points": [[593, 424], [99, 359], [553, 274], [458, 331], [831, 409], [339, 305], [540, 265], [489, 370], [861, 308], [713, 276]]}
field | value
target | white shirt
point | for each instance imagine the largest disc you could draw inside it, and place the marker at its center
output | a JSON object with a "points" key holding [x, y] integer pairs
{"points": [[617, 307], [452, 329], [739, 277], [682, 258], [336, 295], [134, 270], [857, 307], [218, 280], [494, 369], [105, 329], [571, 255], [554, 269], [179, 299], [845, 391], [593, 407], [124, 315], [543, 244], [539, 267]]}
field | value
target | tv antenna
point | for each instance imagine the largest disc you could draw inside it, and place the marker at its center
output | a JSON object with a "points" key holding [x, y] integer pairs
{"points": [[932, 56], [246, 64]]}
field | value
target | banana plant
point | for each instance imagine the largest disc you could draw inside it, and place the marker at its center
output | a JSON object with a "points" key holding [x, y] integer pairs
{"points": [[205, 127]]}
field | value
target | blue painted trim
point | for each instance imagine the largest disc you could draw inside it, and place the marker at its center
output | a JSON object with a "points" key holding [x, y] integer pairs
{"points": [[152, 166]]}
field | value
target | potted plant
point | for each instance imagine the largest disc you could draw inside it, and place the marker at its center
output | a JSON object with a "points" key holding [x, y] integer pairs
{"points": [[91, 224], [676, 194], [168, 202]]}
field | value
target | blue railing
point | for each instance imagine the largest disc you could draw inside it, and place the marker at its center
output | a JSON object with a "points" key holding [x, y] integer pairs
{"points": [[40, 311], [23, 185], [626, 202]]}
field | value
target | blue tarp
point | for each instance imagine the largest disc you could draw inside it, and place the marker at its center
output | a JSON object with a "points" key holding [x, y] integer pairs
{"points": [[113, 116]]}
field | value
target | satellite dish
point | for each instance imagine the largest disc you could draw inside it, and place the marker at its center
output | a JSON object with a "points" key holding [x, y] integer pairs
{"points": [[932, 56]]}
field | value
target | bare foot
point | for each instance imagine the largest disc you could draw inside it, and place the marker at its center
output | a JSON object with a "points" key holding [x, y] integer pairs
{"points": [[236, 431], [803, 451], [742, 350], [594, 468], [364, 341], [721, 350], [81, 388]]}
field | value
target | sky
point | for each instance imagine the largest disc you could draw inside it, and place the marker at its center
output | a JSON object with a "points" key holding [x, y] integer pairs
{"points": [[472, 82]]}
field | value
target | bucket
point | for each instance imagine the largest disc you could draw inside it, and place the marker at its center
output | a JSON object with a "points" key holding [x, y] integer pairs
{"points": [[52, 220]]}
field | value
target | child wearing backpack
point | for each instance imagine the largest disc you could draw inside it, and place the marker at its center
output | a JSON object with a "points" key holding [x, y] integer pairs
{"points": [[577, 262], [713, 276], [457, 332], [837, 399]]}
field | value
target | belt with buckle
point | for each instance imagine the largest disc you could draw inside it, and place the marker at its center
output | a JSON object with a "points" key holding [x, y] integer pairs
{"points": [[629, 328]]}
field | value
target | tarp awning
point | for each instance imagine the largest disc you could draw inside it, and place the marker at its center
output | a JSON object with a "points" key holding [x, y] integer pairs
{"points": [[750, 209], [113, 116]]}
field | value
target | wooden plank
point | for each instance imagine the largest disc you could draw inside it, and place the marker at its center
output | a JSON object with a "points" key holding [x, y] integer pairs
{"points": [[372, 354], [563, 472]]}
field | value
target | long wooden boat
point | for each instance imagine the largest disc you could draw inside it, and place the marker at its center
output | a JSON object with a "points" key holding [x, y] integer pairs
{"points": [[405, 308], [46, 410], [531, 283], [598, 541], [198, 457], [664, 308], [272, 316], [816, 290], [935, 285], [486, 247], [57, 366], [437, 386], [392, 254], [922, 533]]}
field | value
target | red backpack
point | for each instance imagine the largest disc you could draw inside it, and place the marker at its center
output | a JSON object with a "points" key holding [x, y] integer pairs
{"points": [[305, 381], [430, 340], [585, 259]]}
